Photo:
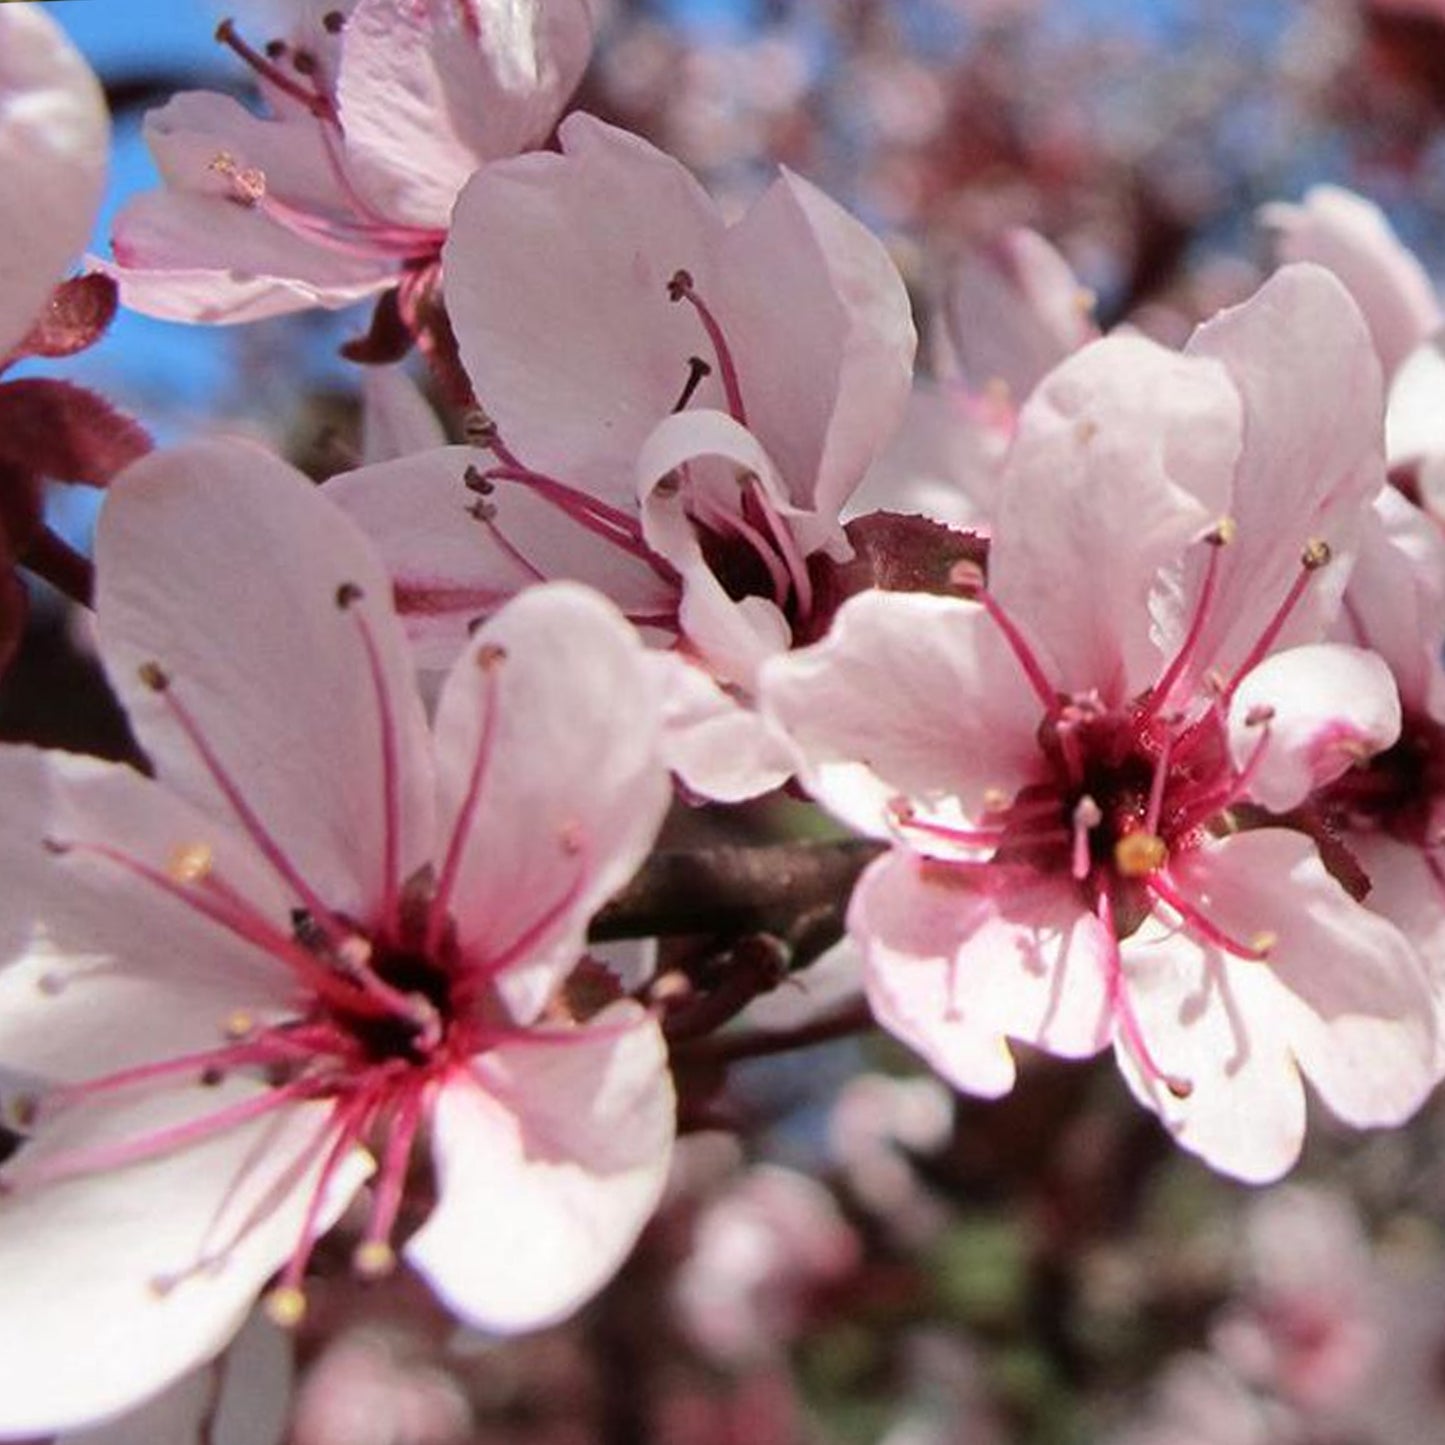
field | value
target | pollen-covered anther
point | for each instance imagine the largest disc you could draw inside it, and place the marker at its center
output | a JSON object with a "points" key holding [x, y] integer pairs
{"points": [[1222, 533], [191, 862], [374, 1259], [995, 800], [248, 183], [966, 578], [679, 285], [1260, 715], [1316, 554], [1180, 1088], [490, 655], [333, 22], [348, 594], [286, 1306], [153, 676], [240, 1025], [354, 952], [1138, 854], [1263, 943]]}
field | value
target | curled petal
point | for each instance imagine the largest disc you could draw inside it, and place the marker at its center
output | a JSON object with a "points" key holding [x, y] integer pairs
{"points": [[1316, 712]]}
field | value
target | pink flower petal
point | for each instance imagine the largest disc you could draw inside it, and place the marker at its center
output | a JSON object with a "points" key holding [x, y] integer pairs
{"points": [[54, 136], [820, 327], [449, 569], [1352, 237], [1395, 603], [550, 1158], [427, 93], [1015, 310], [572, 345], [1312, 461], [1325, 709], [959, 958], [721, 748], [104, 970], [179, 547], [550, 781], [187, 257], [1123, 429], [1415, 418], [119, 1281], [908, 695], [397, 420]]}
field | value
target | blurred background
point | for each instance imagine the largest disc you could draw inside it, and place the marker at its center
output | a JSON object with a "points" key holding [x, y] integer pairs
{"points": [[869, 1259]]}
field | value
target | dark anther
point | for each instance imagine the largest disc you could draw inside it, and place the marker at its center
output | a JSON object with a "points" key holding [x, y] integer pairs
{"points": [[1316, 554], [306, 931], [275, 49], [481, 511], [212, 1076], [680, 285], [476, 482], [333, 21], [55, 846], [303, 63], [154, 676], [697, 369], [347, 594], [491, 655]]}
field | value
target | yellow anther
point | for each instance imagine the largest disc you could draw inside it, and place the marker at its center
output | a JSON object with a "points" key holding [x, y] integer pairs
{"points": [[1263, 942], [1316, 553], [1085, 300], [240, 1025], [995, 800], [191, 863], [286, 1306], [1138, 854], [1224, 531], [354, 952], [374, 1260]]}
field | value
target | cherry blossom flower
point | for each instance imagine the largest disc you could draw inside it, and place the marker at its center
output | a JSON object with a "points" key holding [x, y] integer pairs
{"points": [[1078, 765], [676, 410], [379, 110], [322, 930], [1387, 817]]}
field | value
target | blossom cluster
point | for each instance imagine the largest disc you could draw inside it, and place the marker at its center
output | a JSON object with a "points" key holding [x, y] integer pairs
{"points": [[1126, 658]]}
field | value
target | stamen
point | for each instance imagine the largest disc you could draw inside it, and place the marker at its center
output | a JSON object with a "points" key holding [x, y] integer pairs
{"points": [[1033, 670], [347, 595], [1201, 927], [1138, 854], [1222, 535], [268, 70], [697, 371], [680, 288], [158, 681], [1087, 817], [1132, 1033], [788, 549], [1315, 555], [489, 660], [374, 1256]]}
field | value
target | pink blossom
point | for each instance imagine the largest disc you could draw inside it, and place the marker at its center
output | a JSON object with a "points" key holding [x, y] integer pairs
{"points": [[323, 930], [675, 410], [379, 110], [761, 1253], [1061, 760], [1388, 816]]}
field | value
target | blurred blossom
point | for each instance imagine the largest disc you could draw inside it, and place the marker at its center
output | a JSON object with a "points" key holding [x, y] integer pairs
{"points": [[761, 1254]]}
